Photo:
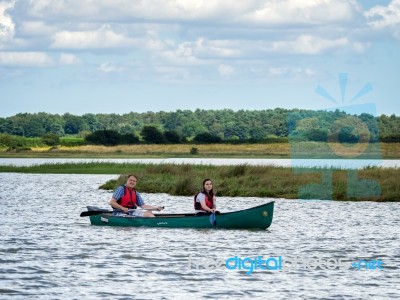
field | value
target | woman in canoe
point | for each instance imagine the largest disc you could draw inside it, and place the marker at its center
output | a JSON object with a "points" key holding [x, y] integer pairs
{"points": [[205, 201], [126, 199]]}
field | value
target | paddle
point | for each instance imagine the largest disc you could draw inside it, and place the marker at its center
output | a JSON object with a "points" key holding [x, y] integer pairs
{"points": [[213, 219], [98, 212]]}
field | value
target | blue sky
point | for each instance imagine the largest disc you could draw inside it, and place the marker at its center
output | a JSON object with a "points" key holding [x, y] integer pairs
{"points": [[117, 56]]}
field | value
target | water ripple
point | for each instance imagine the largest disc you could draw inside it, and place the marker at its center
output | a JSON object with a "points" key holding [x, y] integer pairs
{"points": [[48, 251]]}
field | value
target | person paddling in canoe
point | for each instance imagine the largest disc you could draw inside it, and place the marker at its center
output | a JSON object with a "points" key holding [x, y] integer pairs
{"points": [[126, 199], [205, 201]]}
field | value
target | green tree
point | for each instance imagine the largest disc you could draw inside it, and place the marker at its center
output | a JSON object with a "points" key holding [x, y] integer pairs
{"points": [[91, 122], [235, 130], [18, 130], [129, 139], [73, 124], [7, 140], [172, 137], [104, 137], [35, 129], [152, 135], [172, 121], [207, 138], [7, 126], [56, 129], [258, 132], [51, 139]]}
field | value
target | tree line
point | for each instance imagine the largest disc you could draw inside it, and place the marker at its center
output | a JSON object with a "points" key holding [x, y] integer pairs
{"points": [[206, 126]]}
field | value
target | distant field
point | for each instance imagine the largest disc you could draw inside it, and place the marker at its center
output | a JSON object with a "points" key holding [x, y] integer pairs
{"points": [[275, 150]]}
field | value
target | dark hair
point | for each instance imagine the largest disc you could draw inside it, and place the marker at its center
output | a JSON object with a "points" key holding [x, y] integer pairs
{"points": [[211, 193], [130, 175]]}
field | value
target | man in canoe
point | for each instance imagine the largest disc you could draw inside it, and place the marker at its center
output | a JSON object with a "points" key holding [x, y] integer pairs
{"points": [[126, 199], [205, 201]]}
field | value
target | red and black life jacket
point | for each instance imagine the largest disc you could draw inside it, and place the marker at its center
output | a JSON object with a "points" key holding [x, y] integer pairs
{"points": [[129, 199], [209, 201]]}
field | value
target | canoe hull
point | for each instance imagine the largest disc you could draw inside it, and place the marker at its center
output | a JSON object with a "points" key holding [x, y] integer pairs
{"points": [[259, 217]]}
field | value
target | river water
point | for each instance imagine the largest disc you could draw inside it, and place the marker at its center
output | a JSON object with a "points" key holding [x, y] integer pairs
{"points": [[49, 252], [284, 162]]}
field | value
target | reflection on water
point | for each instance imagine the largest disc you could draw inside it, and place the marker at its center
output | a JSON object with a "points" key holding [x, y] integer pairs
{"points": [[335, 163], [48, 251]]}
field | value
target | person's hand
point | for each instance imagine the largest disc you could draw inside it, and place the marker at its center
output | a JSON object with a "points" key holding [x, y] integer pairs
{"points": [[160, 208], [125, 209]]}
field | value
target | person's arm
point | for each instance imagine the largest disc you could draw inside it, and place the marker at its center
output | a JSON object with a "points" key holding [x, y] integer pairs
{"points": [[150, 207], [205, 207], [114, 204], [141, 204]]}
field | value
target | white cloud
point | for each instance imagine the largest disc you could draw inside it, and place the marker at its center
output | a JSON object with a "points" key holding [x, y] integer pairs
{"points": [[303, 12], [179, 55], [36, 28], [30, 59], [68, 59], [290, 72], [104, 37], [109, 67], [36, 59], [359, 47], [219, 11], [194, 53], [278, 71], [7, 26], [198, 29], [153, 43], [179, 34], [225, 70], [117, 10], [216, 48], [383, 17], [309, 45]]}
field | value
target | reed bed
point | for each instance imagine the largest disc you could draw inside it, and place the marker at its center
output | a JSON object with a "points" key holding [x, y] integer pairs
{"points": [[242, 180]]}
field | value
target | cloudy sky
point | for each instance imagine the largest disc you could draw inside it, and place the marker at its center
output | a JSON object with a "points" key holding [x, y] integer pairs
{"points": [[117, 56]]}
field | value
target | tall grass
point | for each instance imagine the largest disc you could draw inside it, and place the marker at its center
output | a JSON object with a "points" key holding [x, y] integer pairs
{"points": [[241, 181]]}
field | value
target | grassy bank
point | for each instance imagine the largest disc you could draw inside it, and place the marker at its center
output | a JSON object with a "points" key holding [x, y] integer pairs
{"points": [[243, 180], [276, 150]]}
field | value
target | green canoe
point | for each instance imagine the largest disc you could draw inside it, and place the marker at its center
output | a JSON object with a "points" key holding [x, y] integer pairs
{"points": [[258, 217]]}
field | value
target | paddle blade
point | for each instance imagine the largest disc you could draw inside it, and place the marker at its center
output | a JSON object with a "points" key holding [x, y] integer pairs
{"points": [[93, 213], [213, 220]]}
